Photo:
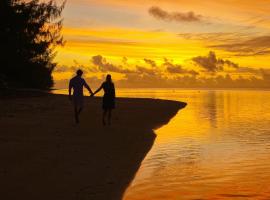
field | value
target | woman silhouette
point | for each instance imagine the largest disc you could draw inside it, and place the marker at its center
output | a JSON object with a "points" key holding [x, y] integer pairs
{"points": [[108, 99]]}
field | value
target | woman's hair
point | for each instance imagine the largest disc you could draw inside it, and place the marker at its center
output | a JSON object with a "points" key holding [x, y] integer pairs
{"points": [[109, 78]]}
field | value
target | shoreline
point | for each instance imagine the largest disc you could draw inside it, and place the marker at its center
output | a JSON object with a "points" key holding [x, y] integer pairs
{"points": [[46, 156]]}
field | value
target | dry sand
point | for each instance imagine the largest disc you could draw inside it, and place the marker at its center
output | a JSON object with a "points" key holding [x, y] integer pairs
{"points": [[45, 156]]}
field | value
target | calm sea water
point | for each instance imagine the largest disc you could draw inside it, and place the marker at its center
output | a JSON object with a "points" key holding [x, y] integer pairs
{"points": [[218, 147]]}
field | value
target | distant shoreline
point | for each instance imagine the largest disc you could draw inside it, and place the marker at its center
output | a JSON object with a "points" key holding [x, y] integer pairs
{"points": [[267, 89], [24, 92]]}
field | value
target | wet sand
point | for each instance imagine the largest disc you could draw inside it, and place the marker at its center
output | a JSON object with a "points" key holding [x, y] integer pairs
{"points": [[44, 155]]}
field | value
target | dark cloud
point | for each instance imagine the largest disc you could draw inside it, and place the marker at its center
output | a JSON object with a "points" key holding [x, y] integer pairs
{"points": [[146, 81], [74, 68], [161, 14], [143, 80], [177, 69], [62, 68], [172, 75], [221, 37], [82, 40], [211, 63], [199, 36], [239, 43], [249, 70], [152, 63], [265, 75], [144, 70], [102, 65], [125, 60], [251, 47], [228, 63]]}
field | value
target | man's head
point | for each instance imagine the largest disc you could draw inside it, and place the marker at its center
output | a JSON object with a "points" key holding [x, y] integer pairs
{"points": [[79, 72]]}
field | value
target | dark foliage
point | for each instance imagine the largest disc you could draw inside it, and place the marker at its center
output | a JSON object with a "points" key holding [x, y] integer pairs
{"points": [[29, 33]]}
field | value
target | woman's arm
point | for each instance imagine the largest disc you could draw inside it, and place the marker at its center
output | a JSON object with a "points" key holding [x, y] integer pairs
{"points": [[100, 88]]}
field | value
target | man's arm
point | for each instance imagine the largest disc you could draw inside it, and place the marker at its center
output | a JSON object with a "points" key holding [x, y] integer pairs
{"points": [[69, 89], [88, 88], [113, 90]]}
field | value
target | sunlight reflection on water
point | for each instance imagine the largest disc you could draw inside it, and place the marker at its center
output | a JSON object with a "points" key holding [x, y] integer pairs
{"points": [[218, 147]]}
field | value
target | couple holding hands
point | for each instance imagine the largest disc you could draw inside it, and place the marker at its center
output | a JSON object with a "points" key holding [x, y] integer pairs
{"points": [[77, 83]]}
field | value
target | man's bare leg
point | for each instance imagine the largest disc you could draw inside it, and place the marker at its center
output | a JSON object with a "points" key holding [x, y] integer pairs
{"points": [[80, 110], [76, 112]]}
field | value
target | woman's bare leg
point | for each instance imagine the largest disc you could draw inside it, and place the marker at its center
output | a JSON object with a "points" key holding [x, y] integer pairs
{"points": [[109, 116], [104, 117]]}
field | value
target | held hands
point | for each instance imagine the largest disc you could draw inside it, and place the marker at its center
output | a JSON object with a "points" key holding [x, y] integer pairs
{"points": [[92, 94]]}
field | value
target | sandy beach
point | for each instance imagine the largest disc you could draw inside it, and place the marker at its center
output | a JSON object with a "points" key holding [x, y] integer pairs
{"points": [[44, 155]]}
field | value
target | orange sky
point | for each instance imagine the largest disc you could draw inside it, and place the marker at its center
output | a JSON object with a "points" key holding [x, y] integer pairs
{"points": [[211, 38]]}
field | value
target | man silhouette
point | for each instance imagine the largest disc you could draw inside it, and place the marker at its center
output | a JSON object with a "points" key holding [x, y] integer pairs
{"points": [[77, 83]]}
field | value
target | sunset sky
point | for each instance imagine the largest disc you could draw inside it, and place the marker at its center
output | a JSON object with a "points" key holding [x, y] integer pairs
{"points": [[167, 43]]}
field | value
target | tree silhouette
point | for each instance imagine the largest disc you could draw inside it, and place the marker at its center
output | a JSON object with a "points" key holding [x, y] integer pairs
{"points": [[29, 33]]}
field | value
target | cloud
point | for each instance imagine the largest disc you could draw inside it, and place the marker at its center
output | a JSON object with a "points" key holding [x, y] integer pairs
{"points": [[211, 63], [265, 74], [102, 65], [216, 37], [144, 70], [228, 63], [152, 63], [250, 47], [136, 80], [177, 69], [73, 68], [143, 80], [170, 75], [62, 68], [249, 70], [125, 60], [161, 14]]}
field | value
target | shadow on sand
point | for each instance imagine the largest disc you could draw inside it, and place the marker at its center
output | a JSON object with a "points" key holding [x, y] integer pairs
{"points": [[45, 156]]}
